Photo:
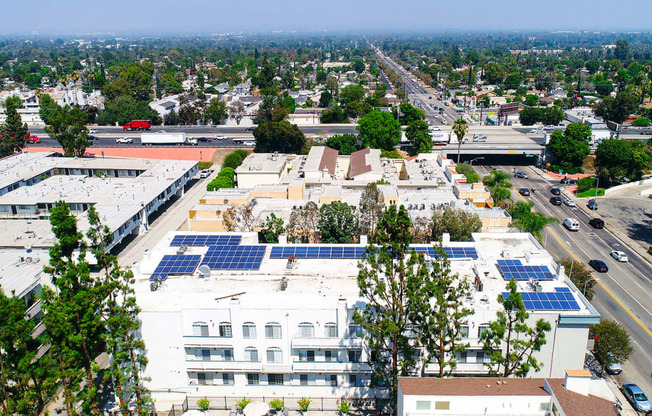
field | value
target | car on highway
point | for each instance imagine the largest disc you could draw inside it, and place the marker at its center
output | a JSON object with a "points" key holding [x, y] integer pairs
{"points": [[250, 128], [569, 202], [204, 174], [91, 137], [599, 266], [636, 397], [483, 138], [620, 256], [203, 139], [517, 174], [592, 204], [555, 200], [596, 223], [249, 144], [124, 140], [536, 131], [555, 191], [572, 224], [92, 131], [524, 191], [33, 138]]}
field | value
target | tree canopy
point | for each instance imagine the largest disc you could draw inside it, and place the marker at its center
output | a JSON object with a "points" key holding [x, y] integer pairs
{"points": [[379, 130], [571, 147], [279, 137], [338, 223]]}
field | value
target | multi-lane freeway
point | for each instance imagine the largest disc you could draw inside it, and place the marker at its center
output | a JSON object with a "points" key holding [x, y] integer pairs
{"points": [[623, 293]]}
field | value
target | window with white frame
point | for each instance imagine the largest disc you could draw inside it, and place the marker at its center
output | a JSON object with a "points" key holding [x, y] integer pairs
{"points": [[482, 357], [461, 357], [330, 330], [205, 378], [227, 355], [331, 379], [249, 330], [355, 356], [355, 331], [423, 404], [253, 379], [330, 356], [275, 379], [251, 354], [464, 331], [307, 355], [200, 329], [306, 330], [227, 379], [203, 354], [274, 355], [273, 330], [225, 330], [303, 379], [482, 328]]}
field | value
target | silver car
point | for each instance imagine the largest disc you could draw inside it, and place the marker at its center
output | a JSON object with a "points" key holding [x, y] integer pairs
{"points": [[636, 397]]}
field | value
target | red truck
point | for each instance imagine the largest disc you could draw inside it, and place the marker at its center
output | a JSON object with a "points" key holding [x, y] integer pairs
{"points": [[138, 125], [33, 138]]}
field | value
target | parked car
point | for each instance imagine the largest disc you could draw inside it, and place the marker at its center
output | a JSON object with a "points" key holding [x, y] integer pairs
{"points": [[91, 137], [204, 174], [568, 181], [613, 366], [524, 191], [636, 397], [555, 200], [592, 204], [92, 131], [435, 128], [572, 224], [33, 138], [555, 191], [620, 256], [250, 128], [569, 202], [596, 223], [599, 266], [124, 140], [519, 174]]}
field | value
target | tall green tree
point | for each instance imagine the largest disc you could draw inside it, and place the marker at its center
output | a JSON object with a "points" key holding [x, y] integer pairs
{"points": [[46, 106], [13, 133], [215, 112], [509, 341], [619, 108], [460, 127], [370, 209], [571, 147], [580, 276], [68, 127], [418, 134], [618, 159], [379, 130], [458, 223], [271, 229], [612, 342], [408, 113], [338, 223], [527, 220], [279, 137], [345, 144]]}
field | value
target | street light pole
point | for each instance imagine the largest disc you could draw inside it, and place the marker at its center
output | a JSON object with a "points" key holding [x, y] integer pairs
{"points": [[586, 283], [472, 160]]}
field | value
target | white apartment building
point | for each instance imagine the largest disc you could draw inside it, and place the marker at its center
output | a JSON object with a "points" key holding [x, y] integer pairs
{"points": [[235, 327]]}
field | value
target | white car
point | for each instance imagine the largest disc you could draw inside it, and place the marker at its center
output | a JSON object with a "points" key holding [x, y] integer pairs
{"points": [[536, 131], [124, 140], [205, 174], [435, 128], [620, 256], [220, 137], [569, 202], [249, 144], [92, 131]]}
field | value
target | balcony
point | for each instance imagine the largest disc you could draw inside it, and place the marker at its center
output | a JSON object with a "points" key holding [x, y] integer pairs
{"points": [[329, 367], [207, 341], [327, 343], [215, 365], [461, 369]]}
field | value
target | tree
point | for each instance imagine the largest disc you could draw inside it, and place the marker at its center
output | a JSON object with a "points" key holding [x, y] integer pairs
{"points": [[271, 228], [345, 144], [468, 171], [530, 115], [509, 342], [215, 112], [393, 229], [279, 137], [617, 159], [68, 127], [439, 321], [239, 218], [325, 99], [370, 209], [338, 223], [529, 221], [189, 114], [351, 93], [642, 122], [237, 111], [552, 115], [532, 100], [13, 133], [408, 113], [265, 77], [622, 51], [513, 81], [171, 118], [456, 222], [460, 127], [335, 115], [493, 73], [612, 343], [46, 106], [304, 223], [592, 66], [418, 134], [619, 108], [379, 130], [357, 65], [571, 147], [126, 108], [580, 276], [234, 159]]}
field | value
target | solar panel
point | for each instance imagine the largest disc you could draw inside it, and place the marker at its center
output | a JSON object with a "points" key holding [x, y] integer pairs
{"points": [[176, 264], [451, 252], [317, 252], [562, 289], [234, 257], [206, 240], [548, 301], [514, 269]]}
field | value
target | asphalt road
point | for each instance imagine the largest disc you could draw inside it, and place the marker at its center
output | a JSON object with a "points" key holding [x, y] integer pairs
{"points": [[622, 294]]}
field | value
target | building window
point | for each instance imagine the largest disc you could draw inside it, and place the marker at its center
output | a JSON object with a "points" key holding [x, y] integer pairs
{"points": [[481, 357], [355, 331], [355, 355], [464, 331], [330, 330], [303, 379], [251, 354], [228, 355], [306, 330], [227, 379], [331, 379], [205, 378], [200, 329], [481, 329], [275, 379], [307, 355], [273, 330], [249, 330], [202, 354], [423, 404], [330, 356], [274, 356], [225, 330], [442, 405], [353, 380], [253, 379], [461, 357]]}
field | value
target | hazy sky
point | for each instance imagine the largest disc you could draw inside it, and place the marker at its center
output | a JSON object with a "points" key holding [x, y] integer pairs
{"points": [[217, 16]]}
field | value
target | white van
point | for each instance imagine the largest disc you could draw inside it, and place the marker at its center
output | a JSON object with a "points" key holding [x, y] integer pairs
{"points": [[572, 224]]}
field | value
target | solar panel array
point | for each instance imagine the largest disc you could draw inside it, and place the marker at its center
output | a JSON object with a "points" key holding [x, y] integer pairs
{"points": [[318, 252], [234, 257], [562, 289], [206, 240], [548, 301], [514, 269], [176, 264], [451, 252]]}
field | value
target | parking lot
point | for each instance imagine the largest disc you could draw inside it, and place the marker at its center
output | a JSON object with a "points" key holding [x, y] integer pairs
{"points": [[630, 212]]}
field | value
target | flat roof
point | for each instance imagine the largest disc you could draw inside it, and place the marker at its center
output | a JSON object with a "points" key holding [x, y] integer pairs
{"points": [[21, 271], [263, 163], [472, 386]]}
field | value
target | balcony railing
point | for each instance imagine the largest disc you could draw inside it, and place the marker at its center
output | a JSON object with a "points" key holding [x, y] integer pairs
{"points": [[215, 365], [207, 341], [329, 366], [323, 342]]}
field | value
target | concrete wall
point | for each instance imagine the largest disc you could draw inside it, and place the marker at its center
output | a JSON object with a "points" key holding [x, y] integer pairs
{"points": [[473, 405], [627, 185], [251, 179]]}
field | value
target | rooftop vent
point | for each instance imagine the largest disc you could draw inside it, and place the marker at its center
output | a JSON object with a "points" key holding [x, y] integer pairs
{"points": [[204, 271]]}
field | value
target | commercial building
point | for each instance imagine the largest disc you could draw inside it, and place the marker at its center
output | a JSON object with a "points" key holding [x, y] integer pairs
{"points": [[226, 317]]}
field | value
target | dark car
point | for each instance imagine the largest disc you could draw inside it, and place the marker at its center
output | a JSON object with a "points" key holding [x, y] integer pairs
{"points": [[203, 139], [524, 191], [555, 191], [592, 204], [522, 175], [555, 200], [568, 181], [91, 137], [599, 266], [250, 128], [596, 223]]}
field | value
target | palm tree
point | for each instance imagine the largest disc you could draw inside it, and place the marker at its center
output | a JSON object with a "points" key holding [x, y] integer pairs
{"points": [[460, 127]]}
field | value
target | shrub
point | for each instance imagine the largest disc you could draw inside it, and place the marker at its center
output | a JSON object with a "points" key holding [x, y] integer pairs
{"points": [[391, 154], [304, 404], [205, 165], [468, 171], [243, 403], [584, 184], [220, 182], [344, 407], [203, 404], [566, 169], [642, 122], [235, 158], [277, 404], [227, 173]]}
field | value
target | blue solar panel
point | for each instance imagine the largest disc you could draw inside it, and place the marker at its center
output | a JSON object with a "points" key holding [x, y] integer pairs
{"points": [[234, 257], [206, 240], [176, 264], [548, 301], [562, 289], [317, 252], [451, 252], [513, 269]]}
